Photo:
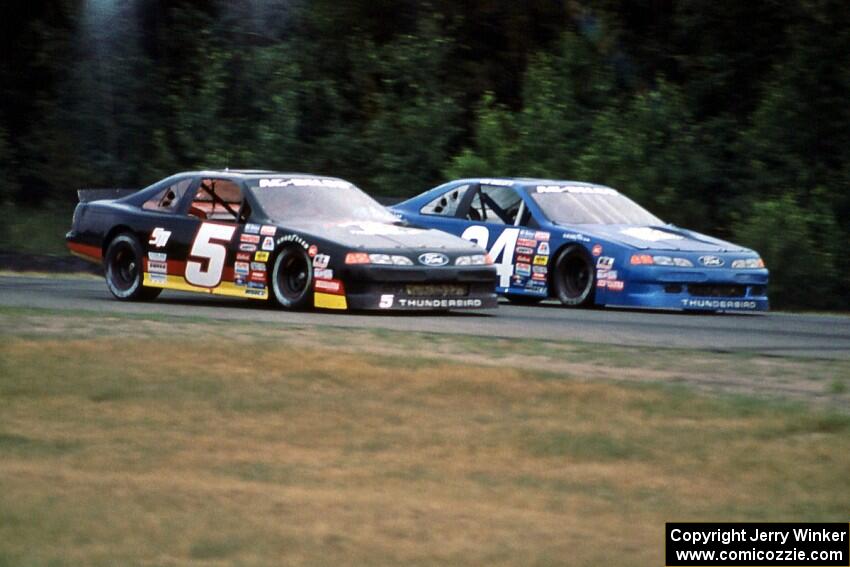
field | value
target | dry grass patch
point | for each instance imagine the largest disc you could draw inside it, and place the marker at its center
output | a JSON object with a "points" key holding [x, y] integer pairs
{"points": [[196, 449]]}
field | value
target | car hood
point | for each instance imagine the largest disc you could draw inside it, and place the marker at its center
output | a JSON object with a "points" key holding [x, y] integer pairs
{"points": [[661, 237], [379, 235]]}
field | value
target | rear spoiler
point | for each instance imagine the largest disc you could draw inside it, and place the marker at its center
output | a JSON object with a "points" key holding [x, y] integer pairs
{"points": [[89, 195]]}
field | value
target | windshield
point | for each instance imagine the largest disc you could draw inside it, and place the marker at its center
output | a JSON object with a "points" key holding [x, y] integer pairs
{"points": [[318, 199], [565, 204]]}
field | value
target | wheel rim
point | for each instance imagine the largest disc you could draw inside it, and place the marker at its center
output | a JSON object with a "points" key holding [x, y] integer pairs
{"points": [[576, 276], [124, 267], [294, 276]]}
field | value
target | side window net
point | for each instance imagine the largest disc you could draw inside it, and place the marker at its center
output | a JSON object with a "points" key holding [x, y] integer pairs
{"points": [[216, 199], [494, 204]]}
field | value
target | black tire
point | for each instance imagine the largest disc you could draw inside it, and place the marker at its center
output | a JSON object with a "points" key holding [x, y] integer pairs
{"points": [[523, 299], [292, 278], [574, 277], [123, 269]]}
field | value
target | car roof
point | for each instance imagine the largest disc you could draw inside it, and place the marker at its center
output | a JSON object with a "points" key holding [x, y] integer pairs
{"points": [[255, 174], [527, 181]]}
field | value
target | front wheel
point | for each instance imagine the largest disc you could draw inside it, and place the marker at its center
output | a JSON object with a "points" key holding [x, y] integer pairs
{"points": [[123, 268], [573, 279], [292, 278]]}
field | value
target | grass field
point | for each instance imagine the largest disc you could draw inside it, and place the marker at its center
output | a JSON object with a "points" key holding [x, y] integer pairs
{"points": [[158, 441]]}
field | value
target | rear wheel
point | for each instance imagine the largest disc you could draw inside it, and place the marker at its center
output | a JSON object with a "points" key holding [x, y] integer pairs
{"points": [[123, 268], [292, 278], [574, 280]]}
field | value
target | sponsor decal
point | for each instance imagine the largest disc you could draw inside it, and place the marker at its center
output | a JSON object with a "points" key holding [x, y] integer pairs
{"points": [[543, 248], [523, 258], [159, 237], [157, 256], [539, 269], [536, 283], [245, 247], [243, 257], [649, 234], [304, 182], [718, 304], [256, 285], [321, 261], [528, 234], [433, 259], [157, 267], [261, 256], [252, 228], [329, 286], [541, 260], [604, 262], [324, 273], [258, 266], [526, 242], [439, 303], [711, 261], [540, 235], [312, 251], [241, 268], [252, 238], [616, 285], [158, 278], [606, 274], [268, 243], [268, 230], [258, 277], [597, 249], [260, 292], [240, 281], [575, 189], [538, 277], [293, 238], [524, 250], [601, 283], [523, 269], [386, 301], [573, 236]]}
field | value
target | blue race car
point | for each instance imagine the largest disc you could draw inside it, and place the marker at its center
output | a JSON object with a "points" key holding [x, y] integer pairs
{"points": [[587, 244]]}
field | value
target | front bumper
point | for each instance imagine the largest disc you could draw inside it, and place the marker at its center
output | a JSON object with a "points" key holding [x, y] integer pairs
{"points": [[689, 290], [388, 288]]}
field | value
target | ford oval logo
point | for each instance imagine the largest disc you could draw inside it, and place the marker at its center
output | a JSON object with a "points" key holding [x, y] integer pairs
{"points": [[433, 259], [711, 261]]}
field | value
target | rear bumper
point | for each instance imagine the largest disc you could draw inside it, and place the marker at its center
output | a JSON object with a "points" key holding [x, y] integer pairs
{"points": [[86, 250]]}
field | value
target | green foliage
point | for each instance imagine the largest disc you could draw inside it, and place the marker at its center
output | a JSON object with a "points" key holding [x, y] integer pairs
{"points": [[8, 183], [800, 246]]}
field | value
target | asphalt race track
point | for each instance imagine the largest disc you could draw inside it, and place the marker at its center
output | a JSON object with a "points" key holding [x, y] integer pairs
{"points": [[777, 334]]}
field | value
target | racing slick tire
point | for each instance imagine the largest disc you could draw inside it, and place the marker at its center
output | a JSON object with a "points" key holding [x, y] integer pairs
{"points": [[523, 299], [292, 278], [122, 265], [574, 279]]}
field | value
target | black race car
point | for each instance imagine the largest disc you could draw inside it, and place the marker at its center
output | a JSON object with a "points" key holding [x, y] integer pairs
{"points": [[296, 239]]}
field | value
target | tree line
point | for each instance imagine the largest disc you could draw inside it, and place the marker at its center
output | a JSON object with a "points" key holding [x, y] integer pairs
{"points": [[727, 117]]}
